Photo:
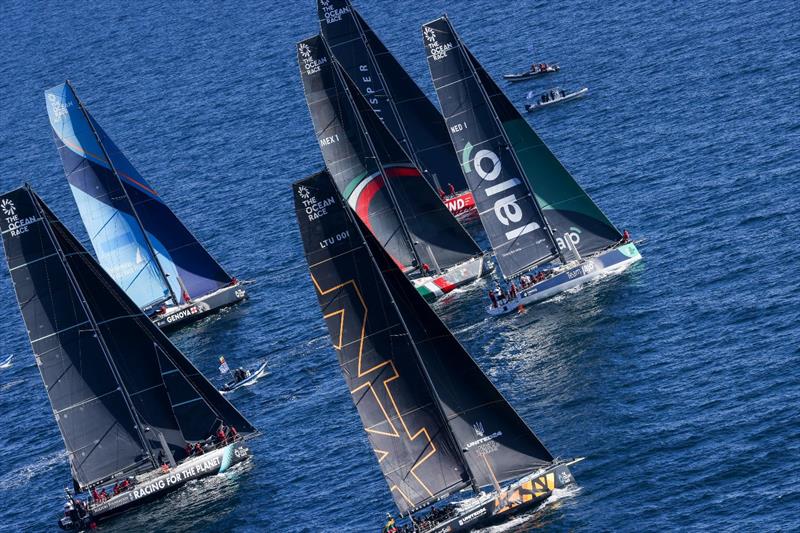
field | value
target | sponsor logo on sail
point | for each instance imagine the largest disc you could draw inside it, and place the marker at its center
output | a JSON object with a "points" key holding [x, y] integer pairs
{"points": [[314, 208], [302, 190], [488, 166], [564, 477], [484, 444]]}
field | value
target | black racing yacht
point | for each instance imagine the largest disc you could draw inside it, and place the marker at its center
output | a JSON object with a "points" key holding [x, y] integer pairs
{"points": [[137, 418], [435, 421]]}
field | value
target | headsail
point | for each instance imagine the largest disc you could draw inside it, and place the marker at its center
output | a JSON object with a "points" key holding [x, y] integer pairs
{"points": [[116, 384], [489, 436], [566, 206], [403, 424], [140, 242], [436, 237], [403, 107], [508, 210]]}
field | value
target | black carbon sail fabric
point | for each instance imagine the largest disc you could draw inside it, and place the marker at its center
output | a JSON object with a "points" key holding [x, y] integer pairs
{"points": [[569, 211], [507, 208], [378, 361], [495, 442], [436, 237], [346, 152], [440, 240], [115, 382], [403, 107]]}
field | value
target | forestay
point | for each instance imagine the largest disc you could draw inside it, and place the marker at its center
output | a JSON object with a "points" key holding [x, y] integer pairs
{"points": [[140, 242], [404, 426], [403, 107], [507, 208], [116, 384], [566, 206]]}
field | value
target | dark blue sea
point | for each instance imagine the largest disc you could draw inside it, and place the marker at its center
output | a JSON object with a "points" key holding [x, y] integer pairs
{"points": [[678, 380]]}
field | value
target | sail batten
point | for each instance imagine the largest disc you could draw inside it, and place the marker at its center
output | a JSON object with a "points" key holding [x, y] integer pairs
{"points": [[403, 107], [136, 237], [513, 221], [569, 210], [432, 235], [402, 421], [478, 434], [97, 353]]}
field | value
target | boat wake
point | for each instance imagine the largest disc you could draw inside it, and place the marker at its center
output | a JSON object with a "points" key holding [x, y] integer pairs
{"points": [[7, 362], [522, 522]]}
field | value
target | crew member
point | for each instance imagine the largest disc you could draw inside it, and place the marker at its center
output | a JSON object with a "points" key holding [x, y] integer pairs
{"points": [[442, 194], [493, 298], [221, 434], [389, 527], [626, 237], [426, 269], [95, 495], [198, 450], [512, 291], [232, 433], [452, 189]]}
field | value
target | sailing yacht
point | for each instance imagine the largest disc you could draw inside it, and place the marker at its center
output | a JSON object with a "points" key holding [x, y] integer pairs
{"points": [[136, 237], [382, 184], [435, 421], [546, 231], [403, 107], [137, 418]]}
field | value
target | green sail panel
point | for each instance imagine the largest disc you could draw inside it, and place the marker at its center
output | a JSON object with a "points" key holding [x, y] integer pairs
{"points": [[565, 205]]}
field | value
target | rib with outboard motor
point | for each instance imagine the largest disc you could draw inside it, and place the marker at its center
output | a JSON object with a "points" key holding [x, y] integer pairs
{"points": [[381, 183], [402, 106], [136, 237], [436, 423], [544, 228], [127, 401]]}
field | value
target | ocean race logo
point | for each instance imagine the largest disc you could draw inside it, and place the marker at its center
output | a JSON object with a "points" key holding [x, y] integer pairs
{"points": [[310, 64], [14, 224], [332, 14], [438, 51], [316, 209], [58, 107]]}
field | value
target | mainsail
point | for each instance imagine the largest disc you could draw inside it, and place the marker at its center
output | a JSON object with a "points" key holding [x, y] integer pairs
{"points": [[566, 206], [433, 234], [117, 386], [379, 322], [140, 242], [508, 210], [403, 424], [403, 107]]}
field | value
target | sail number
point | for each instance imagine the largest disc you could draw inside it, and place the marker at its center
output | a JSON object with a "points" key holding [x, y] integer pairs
{"points": [[330, 241], [461, 126]]}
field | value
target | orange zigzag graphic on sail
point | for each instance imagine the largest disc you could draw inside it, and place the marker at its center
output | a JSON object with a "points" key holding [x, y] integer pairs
{"points": [[338, 344]]}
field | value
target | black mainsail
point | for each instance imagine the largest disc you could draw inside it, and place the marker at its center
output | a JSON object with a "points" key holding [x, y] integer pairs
{"points": [[119, 389], [403, 107], [403, 424], [378, 321], [373, 172], [509, 212]]}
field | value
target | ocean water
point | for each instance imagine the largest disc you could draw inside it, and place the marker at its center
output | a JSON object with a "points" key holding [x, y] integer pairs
{"points": [[678, 380]]}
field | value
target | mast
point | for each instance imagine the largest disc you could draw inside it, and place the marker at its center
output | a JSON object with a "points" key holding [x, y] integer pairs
{"points": [[406, 140], [508, 145], [418, 359], [125, 192], [95, 328], [374, 151]]}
